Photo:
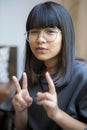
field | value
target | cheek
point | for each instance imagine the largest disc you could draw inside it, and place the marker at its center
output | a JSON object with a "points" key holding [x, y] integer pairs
{"points": [[31, 47], [56, 48], [59, 46]]}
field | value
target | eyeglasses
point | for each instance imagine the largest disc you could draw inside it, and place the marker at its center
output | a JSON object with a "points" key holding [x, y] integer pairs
{"points": [[49, 34]]}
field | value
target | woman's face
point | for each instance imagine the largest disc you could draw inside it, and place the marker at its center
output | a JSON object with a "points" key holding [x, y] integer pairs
{"points": [[45, 43]]}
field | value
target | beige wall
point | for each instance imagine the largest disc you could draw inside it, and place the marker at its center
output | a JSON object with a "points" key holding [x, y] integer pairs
{"points": [[78, 11]]}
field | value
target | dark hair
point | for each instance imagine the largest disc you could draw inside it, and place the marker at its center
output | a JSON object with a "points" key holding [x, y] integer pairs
{"points": [[51, 14]]}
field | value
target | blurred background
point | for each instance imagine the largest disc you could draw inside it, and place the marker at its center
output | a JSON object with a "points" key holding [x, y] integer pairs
{"points": [[13, 15]]}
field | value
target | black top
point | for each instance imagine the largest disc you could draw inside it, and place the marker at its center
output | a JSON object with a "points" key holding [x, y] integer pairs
{"points": [[72, 99]]}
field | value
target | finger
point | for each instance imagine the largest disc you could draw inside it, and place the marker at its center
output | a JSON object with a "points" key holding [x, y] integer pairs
{"points": [[17, 105], [44, 96], [19, 100], [46, 99], [24, 81], [17, 85], [50, 83], [45, 103], [25, 85]]}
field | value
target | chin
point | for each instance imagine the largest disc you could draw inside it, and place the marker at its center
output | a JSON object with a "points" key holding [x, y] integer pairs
{"points": [[42, 58]]}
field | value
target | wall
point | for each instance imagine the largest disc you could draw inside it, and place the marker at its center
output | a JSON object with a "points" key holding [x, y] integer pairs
{"points": [[78, 11]]}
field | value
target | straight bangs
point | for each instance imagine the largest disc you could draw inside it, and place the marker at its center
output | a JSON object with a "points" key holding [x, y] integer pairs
{"points": [[41, 17]]}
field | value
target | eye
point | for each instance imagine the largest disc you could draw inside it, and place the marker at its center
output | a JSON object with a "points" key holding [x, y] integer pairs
{"points": [[33, 32], [50, 31]]}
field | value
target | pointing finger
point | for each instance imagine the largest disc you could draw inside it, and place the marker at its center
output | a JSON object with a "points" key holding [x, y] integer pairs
{"points": [[24, 81], [17, 85], [50, 83]]}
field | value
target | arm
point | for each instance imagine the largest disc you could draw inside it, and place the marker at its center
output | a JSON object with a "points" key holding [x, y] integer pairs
{"points": [[21, 102], [20, 120], [50, 103], [67, 122]]}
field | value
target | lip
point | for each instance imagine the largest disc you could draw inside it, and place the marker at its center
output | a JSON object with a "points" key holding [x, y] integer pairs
{"points": [[41, 49]]}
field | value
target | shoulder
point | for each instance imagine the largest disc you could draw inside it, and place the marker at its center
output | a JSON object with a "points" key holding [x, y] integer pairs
{"points": [[80, 69], [82, 64], [79, 75]]}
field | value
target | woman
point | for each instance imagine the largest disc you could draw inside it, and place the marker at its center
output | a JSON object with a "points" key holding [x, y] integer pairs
{"points": [[53, 93]]}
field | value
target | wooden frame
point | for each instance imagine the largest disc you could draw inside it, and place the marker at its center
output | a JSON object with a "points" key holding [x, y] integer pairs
{"points": [[12, 62]]}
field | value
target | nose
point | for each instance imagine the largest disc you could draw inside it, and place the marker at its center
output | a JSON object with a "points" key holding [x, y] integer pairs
{"points": [[41, 38]]}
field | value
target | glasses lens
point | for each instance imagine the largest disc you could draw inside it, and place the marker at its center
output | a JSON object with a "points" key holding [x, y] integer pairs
{"points": [[49, 34]]}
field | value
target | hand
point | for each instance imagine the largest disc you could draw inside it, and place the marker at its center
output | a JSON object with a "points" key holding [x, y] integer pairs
{"points": [[22, 99], [49, 99]]}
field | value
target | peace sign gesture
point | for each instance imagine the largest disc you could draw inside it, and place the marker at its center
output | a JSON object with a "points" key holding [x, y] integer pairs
{"points": [[22, 99], [49, 99]]}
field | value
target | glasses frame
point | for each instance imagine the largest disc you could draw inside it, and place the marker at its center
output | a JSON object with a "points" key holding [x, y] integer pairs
{"points": [[56, 32]]}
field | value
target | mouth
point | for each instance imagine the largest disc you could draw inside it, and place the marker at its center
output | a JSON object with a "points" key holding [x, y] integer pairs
{"points": [[41, 49]]}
